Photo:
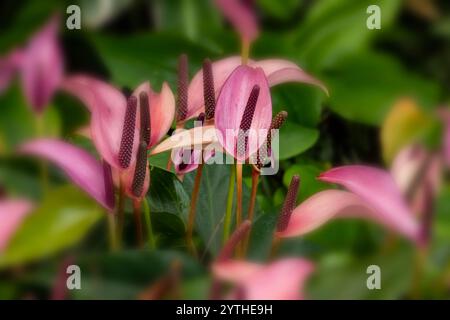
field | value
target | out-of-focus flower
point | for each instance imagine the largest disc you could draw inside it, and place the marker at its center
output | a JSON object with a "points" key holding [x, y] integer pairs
{"points": [[12, 213], [120, 133], [283, 279], [81, 167], [241, 16], [40, 65], [373, 194], [277, 71], [415, 170]]}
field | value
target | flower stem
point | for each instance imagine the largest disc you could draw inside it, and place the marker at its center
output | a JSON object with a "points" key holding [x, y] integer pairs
{"points": [[419, 265], [245, 51], [148, 222], [228, 212], [192, 210], [112, 232], [138, 222], [121, 212], [239, 203], [238, 194], [251, 208], [43, 168], [169, 164]]}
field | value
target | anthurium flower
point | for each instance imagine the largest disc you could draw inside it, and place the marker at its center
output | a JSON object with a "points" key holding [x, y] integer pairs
{"points": [[188, 159], [108, 107], [243, 112], [415, 170], [373, 194], [40, 64], [118, 128], [241, 16], [277, 71], [80, 166], [12, 213], [280, 280]]}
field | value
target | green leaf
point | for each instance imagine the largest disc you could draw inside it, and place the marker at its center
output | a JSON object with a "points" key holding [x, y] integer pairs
{"points": [[442, 221], [295, 139], [377, 82], [147, 57], [211, 203], [344, 277], [126, 274], [193, 19], [302, 102], [168, 228], [308, 176], [280, 9], [262, 235], [334, 28], [17, 177], [19, 123], [62, 220], [167, 194]]}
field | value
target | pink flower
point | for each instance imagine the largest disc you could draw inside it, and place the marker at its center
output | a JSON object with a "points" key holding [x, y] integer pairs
{"points": [[241, 16], [40, 65], [277, 71], [282, 279], [120, 128], [12, 213], [373, 195], [84, 170], [243, 112], [415, 170]]}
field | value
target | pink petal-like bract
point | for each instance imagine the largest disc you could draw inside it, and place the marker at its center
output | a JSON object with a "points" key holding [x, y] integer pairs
{"points": [[108, 107], [280, 280], [277, 71], [415, 169], [379, 191], [231, 104], [12, 213], [84, 170], [241, 16], [42, 66], [162, 110], [196, 136]]}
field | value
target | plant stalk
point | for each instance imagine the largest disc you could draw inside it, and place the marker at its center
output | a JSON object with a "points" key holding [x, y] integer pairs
{"points": [[251, 208], [192, 209], [113, 243], [239, 249], [245, 52], [229, 210], [148, 223], [138, 222]]}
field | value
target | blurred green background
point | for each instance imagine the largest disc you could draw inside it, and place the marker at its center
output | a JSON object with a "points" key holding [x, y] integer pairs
{"points": [[127, 42]]}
